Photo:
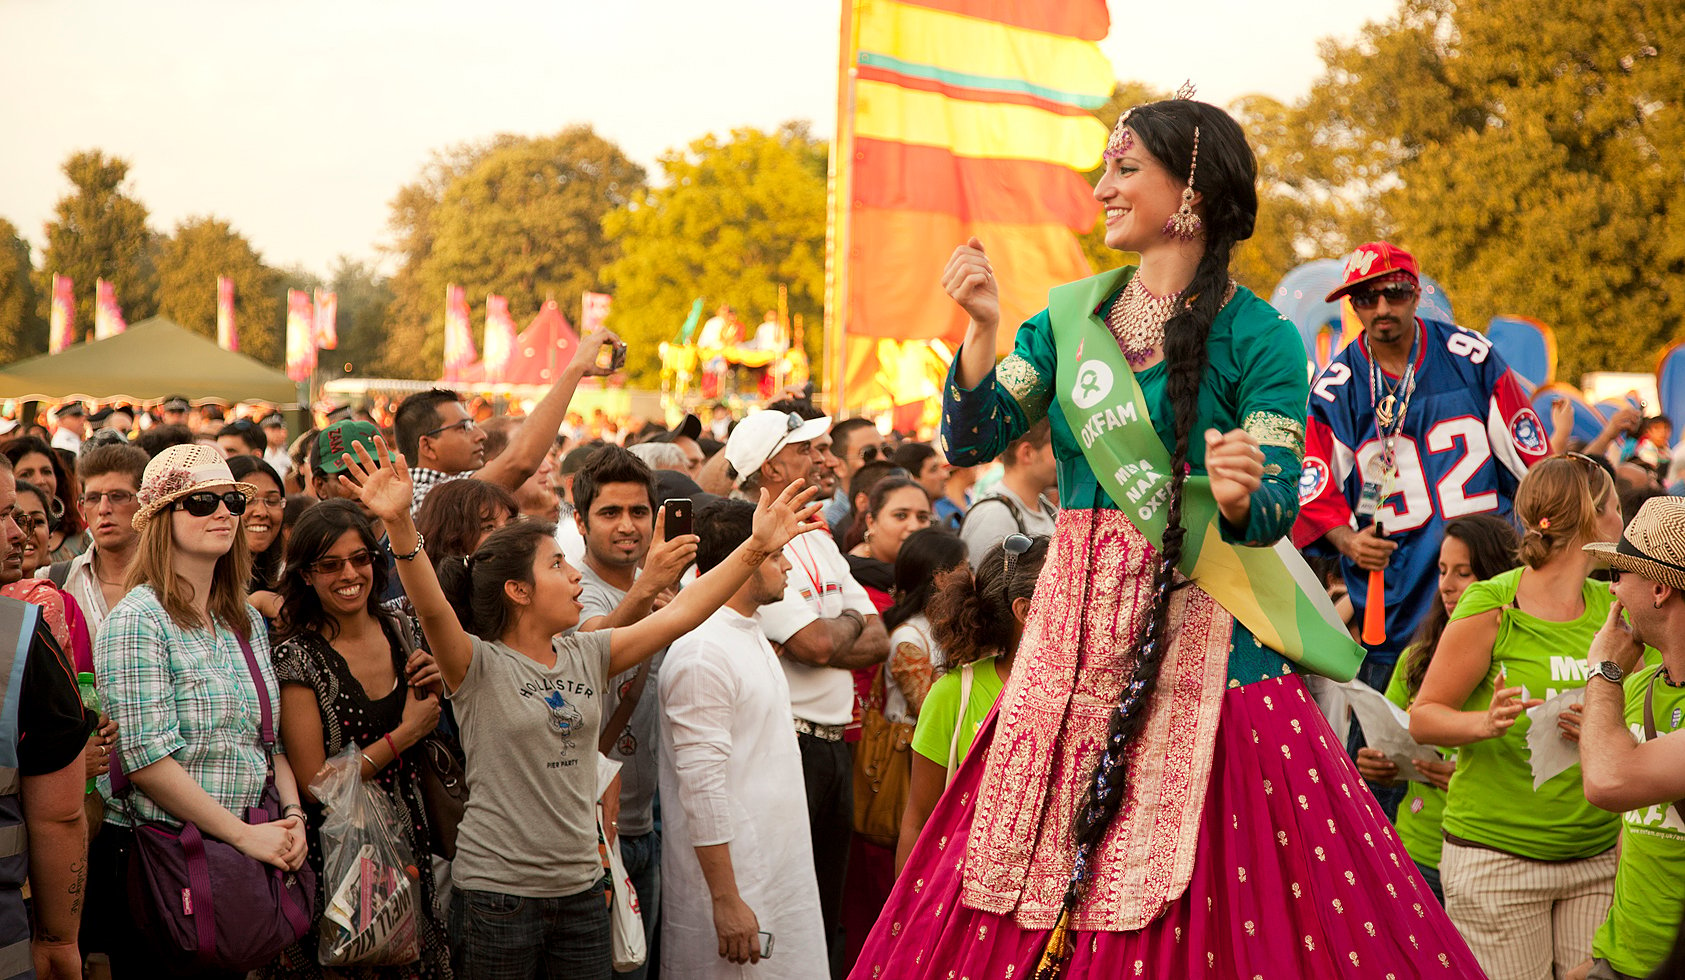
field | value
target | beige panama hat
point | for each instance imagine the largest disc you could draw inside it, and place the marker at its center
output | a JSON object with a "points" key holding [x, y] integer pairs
{"points": [[179, 471], [1653, 545]]}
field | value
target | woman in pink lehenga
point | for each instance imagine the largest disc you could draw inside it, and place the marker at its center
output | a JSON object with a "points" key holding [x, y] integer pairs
{"points": [[1158, 795]]}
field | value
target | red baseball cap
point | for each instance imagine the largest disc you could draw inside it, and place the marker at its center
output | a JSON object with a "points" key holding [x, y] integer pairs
{"points": [[1372, 261]]}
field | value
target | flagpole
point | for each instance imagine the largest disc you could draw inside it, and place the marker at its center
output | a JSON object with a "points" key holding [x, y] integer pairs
{"points": [[840, 196]]}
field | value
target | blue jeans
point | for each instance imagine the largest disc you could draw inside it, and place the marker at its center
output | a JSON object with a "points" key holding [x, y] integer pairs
{"points": [[642, 856], [507, 937], [1431, 876], [1376, 675]]}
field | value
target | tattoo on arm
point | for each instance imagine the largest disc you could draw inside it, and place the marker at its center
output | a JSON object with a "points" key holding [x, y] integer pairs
{"points": [[753, 557], [78, 886]]}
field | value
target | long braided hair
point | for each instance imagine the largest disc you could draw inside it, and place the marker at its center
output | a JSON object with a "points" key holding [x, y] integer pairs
{"points": [[1225, 179]]}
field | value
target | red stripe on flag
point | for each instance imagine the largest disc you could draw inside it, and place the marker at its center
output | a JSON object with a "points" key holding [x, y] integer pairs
{"points": [[1085, 19], [877, 74], [897, 258], [901, 176]]}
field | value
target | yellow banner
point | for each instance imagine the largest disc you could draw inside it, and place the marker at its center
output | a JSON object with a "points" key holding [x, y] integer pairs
{"points": [[956, 45], [976, 129]]}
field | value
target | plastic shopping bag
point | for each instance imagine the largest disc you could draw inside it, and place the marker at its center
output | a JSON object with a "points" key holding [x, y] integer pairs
{"points": [[626, 921], [369, 877]]}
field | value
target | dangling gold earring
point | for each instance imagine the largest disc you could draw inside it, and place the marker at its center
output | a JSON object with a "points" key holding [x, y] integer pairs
{"points": [[1184, 225]]}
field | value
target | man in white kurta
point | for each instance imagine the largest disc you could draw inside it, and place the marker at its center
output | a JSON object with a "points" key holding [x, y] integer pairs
{"points": [[736, 861]]}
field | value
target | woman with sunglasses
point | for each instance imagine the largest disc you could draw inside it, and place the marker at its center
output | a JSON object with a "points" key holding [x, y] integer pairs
{"points": [[351, 673], [262, 526], [529, 898], [175, 659], [1124, 813], [1528, 872]]}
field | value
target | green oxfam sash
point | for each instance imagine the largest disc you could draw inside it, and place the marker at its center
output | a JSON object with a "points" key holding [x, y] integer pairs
{"points": [[1270, 590]]}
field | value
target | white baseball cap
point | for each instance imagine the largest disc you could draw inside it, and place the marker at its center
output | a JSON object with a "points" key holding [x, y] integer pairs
{"points": [[759, 437]]}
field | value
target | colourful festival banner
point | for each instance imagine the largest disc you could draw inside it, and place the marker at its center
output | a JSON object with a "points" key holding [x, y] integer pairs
{"points": [[227, 333], [500, 338], [957, 118], [301, 329], [327, 320], [62, 332], [108, 318], [459, 333], [593, 312]]}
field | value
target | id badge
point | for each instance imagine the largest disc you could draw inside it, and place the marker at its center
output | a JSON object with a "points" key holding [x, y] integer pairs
{"points": [[1369, 499]]}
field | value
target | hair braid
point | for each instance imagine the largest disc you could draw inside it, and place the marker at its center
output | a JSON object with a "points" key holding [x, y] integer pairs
{"points": [[1186, 355]]}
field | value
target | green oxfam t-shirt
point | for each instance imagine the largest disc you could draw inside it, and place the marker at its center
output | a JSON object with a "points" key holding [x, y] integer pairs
{"points": [[1423, 805], [938, 717], [1651, 876], [1492, 800]]}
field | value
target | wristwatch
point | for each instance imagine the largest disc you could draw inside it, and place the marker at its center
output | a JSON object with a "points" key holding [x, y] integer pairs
{"points": [[1608, 670]]}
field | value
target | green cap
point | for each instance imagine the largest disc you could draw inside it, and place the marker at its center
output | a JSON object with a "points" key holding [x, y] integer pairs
{"points": [[337, 440]]}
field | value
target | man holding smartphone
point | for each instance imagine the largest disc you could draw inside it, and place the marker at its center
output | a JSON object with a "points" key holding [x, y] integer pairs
{"points": [[629, 571]]}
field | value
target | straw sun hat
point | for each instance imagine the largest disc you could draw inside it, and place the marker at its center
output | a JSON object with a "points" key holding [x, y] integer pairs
{"points": [[1653, 545], [179, 471]]}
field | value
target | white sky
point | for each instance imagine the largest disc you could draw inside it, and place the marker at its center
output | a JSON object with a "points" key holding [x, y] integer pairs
{"points": [[298, 121]]}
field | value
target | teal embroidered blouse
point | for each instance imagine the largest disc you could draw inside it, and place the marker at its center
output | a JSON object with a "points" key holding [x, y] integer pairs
{"points": [[1257, 380]]}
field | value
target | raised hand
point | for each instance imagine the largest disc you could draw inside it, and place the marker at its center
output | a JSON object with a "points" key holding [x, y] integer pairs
{"points": [[1615, 642], [779, 520], [1235, 465], [970, 280], [1506, 707], [585, 355], [387, 491], [667, 560]]}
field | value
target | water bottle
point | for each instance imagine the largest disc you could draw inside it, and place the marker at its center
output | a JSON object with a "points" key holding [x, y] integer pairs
{"points": [[90, 700]]}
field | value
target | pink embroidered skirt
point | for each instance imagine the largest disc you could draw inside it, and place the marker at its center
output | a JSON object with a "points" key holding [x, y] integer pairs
{"points": [[1298, 875]]}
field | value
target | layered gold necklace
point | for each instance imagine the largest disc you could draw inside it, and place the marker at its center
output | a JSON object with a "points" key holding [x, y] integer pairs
{"points": [[1137, 320]]}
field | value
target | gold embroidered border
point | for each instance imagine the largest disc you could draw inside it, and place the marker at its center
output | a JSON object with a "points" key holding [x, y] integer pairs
{"points": [[1025, 384], [1275, 429]]}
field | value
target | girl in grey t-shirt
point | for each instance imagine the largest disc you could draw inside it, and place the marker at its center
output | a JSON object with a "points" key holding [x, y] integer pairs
{"points": [[529, 891]]}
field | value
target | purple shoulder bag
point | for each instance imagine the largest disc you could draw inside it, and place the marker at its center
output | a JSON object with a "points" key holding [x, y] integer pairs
{"points": [[203, 904]]}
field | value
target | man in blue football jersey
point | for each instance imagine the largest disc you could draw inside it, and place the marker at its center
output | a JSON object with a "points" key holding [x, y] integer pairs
{"points": [[1413, 423]]}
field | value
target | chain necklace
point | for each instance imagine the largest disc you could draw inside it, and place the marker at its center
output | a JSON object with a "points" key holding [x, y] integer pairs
{"points": [[1392, 403], [1137, 320]]}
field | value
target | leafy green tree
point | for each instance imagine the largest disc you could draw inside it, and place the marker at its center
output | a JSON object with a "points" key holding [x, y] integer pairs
{"points": [[189, 262], [523, 219], [733, 220], [23, 332], [1528, 155], [365, 296], [415, 313], [98, 231]]}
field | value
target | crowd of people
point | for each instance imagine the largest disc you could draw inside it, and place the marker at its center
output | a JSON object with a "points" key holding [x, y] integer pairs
{"points": [[1057, 692]]}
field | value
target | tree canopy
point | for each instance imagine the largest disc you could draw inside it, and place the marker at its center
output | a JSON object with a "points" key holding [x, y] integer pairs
{"points": [[189, 262], [735, 219], [23, 331], [98, 231], [516, 216]]}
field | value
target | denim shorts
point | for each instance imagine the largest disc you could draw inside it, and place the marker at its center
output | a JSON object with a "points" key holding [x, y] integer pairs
{"points": [[495, 936]]}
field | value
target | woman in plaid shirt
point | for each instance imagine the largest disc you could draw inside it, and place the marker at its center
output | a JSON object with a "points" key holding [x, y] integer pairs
{"points": [[174, 677]]}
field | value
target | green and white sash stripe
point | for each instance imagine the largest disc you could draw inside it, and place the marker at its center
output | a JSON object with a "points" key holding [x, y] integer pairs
{"points": [[1269, 590]]}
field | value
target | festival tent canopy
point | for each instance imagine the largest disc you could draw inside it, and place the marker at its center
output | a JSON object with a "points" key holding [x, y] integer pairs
{"points": [[532, 362], [153, 359]]}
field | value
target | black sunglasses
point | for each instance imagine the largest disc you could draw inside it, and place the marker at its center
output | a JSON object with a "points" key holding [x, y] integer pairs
{"points": [[1396, 293], [204, 503]]}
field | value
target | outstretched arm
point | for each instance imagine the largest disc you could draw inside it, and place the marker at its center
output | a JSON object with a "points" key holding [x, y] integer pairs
{"points": [[776, 522], [387, 491], [516, 464]]}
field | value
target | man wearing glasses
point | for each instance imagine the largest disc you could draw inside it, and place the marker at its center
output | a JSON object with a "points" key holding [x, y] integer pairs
{"points": [[854, 443], [441, 441], [110, 477], [1414, 423]]}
